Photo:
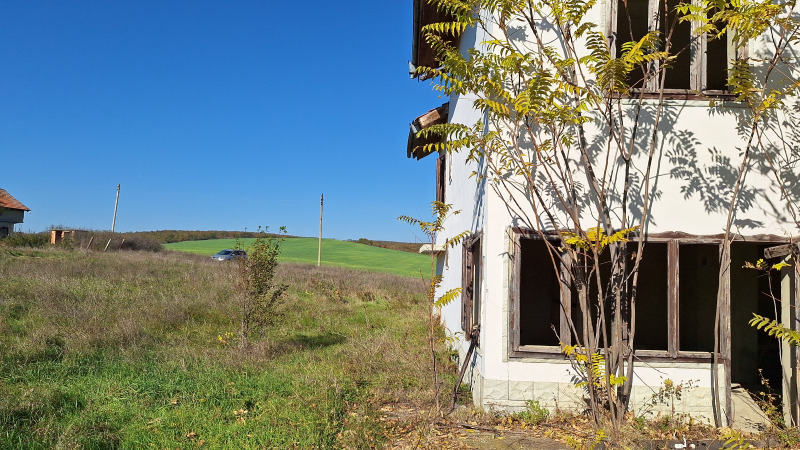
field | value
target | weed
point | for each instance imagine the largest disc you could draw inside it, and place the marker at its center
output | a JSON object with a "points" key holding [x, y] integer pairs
{"points": [[770, 403], [534, 413]]}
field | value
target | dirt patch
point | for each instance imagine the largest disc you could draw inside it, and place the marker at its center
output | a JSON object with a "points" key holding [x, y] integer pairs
{"points": [[412, 427]]}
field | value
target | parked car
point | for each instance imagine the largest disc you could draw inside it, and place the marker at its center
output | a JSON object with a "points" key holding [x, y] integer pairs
{"points": [[228, 255]]}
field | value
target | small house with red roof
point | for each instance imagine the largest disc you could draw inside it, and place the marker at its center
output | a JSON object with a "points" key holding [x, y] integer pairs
{"points": [[12, 212]]}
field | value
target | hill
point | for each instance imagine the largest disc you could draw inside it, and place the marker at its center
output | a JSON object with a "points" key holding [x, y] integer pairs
{"points": [[335, 253]]}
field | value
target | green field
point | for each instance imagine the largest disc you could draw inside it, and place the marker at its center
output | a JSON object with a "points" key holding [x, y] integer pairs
{"points": [[334, 253]]}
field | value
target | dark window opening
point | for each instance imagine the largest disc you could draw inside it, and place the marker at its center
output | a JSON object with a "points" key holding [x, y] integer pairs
{"points": [[589, 270], [753, 291], [698, 278], [678, 73], [632, 25], [652, 297], [717, 63], [539, 295], [700, 62]]}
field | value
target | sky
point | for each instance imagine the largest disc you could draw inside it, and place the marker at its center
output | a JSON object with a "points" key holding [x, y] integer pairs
{"points": [[213, 115]]}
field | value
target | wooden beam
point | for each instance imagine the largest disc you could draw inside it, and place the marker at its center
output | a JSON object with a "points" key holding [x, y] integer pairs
{"points": [[673, 305], [779, 251]]}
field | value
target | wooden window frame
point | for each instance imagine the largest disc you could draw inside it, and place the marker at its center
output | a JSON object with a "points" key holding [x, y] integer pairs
{"points": [[698, 73], [672, 353], [469, 316], [516, 350], [441, 177]]}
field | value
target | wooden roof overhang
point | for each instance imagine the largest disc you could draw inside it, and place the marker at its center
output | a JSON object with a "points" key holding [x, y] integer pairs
{"points": [[421, 53], [433, 117]]}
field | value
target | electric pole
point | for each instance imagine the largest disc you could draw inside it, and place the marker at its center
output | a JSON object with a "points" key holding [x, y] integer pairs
{"points": [[319, 247], [116, 202]]}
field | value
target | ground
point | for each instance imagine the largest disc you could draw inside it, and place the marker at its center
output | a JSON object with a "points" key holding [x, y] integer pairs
{"points": [[413, 427]]}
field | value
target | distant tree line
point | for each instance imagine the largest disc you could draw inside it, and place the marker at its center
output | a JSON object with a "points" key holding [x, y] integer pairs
{"points": [[169, 236], [410, 247]]}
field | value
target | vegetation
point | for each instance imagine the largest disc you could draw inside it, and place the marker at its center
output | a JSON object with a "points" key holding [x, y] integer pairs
{"points": [[259, 295], [138, 349], [33, 240], [431, 229], [411, 247], [168, 236], [334, 253]]}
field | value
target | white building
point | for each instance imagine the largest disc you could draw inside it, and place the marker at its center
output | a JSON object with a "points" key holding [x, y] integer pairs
{"points": [[510, 289]]}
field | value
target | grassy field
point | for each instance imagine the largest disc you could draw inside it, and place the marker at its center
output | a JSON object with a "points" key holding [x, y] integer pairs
{"points": [[334, 253], [137, 350]]}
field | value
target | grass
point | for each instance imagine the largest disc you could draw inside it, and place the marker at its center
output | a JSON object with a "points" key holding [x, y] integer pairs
{"points": [[334, 253], [137, 350]]}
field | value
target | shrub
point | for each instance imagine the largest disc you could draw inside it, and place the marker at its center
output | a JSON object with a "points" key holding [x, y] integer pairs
{"points": [[534, 413], [33, 240], [141, 243], [259, 296]]}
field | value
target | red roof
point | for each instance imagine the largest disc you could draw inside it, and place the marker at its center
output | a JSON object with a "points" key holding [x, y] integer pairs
{"points": [[7, 201]]}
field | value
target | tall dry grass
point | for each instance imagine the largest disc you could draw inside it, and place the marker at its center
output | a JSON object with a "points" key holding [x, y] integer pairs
{"points": [[81, 330]]}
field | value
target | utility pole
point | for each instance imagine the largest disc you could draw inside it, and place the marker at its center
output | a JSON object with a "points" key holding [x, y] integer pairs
{"points": [[319, 247], [116, 202]]}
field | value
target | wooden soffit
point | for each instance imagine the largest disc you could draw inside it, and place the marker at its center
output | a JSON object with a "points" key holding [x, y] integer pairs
{"points": [[421, 53], [432, 117]]}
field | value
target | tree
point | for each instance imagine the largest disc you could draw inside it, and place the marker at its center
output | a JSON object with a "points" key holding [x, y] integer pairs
{"points": [[259, 294], [431, 229], [573, 125]]}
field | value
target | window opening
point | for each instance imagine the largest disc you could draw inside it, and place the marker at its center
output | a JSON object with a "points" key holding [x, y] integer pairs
{"points": [[698, 278], [700, 63], [755, 353], [678, 73], [539, 295], [589, 268], [652, 298]]}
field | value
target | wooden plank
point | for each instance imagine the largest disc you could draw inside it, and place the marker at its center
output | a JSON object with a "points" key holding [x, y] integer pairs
{"points": [[466, 287], [441, 167], [565, 292], [513, 316], [796, 350], [673, 304], [779, 251], [725, 327], [787, 361]]}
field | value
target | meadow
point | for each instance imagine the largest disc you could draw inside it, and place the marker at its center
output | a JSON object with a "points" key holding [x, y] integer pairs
{"points": [[334, 253], [138, 349]]}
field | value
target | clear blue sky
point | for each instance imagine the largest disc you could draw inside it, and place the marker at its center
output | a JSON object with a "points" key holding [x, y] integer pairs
{"points": [[212, 115]]}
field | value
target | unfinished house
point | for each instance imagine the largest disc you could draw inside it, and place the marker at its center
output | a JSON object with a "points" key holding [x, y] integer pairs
{"points": [[12, 212], [514, 296]]}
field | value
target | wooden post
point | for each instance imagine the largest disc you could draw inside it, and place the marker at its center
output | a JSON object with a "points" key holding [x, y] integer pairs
{"points": [[116, 202], [788, 362], [319, 246]]}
